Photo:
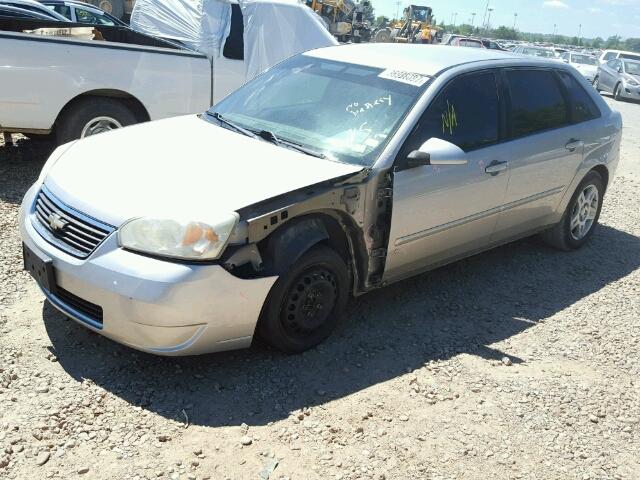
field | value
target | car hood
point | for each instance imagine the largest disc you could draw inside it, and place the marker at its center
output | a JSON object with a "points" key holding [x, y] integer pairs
{"points": [[183, 167], [630, 76], [588, 69]]}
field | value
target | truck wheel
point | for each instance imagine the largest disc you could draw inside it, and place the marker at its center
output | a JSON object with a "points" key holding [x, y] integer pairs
{"points": [[92, 116], [113, 7], [305, 303]]}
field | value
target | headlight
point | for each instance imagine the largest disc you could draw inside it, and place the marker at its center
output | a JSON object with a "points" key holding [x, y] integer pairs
{"points": [[186, 239]]}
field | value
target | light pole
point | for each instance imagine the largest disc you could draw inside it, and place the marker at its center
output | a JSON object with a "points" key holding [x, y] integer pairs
{"points": [[579, 33], [455, 18], [484, 19], [488, 20], [473, 19], [555, 29], [398, 3], [515, 18]]}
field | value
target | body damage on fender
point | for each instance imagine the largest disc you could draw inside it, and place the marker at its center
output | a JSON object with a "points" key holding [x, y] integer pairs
{"points": [[282, 228]]}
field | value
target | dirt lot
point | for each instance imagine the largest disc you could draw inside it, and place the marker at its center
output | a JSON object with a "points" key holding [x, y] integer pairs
{"points": [[412, 386]]}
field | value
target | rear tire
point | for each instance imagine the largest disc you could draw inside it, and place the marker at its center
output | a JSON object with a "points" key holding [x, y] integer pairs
{"points": [[305, 303], [91, 116], [581, 216]]}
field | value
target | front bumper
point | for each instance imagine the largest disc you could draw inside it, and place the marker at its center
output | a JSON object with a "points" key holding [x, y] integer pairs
{"points": [[629, 92], [160, 307]]}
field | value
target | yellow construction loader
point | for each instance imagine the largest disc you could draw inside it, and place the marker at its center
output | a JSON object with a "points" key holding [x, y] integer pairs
{"points": [[415, 27]]}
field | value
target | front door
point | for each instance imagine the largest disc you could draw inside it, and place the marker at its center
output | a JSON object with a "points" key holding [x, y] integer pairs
{"points": [[442, 212]]}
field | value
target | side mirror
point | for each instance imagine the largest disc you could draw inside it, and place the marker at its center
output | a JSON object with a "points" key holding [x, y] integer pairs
{"points": [[619, 69], [436, 152]]}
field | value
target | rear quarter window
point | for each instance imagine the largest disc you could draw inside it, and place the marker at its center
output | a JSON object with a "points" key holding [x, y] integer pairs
{"points": [[536, 102], [582, 108]]}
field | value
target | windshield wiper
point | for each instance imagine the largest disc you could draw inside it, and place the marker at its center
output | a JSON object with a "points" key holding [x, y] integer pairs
{"points": [[235, 126], [271, 137]]}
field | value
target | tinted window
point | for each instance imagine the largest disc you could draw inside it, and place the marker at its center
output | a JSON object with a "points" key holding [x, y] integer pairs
{"points": [[234, 45], [609, 56], [582, 106], [536, 102], [629, 56], [62, 10], [465, 113]]}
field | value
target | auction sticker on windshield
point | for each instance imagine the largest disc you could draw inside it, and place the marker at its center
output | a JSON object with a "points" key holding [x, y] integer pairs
{"points": [[411, 78]]}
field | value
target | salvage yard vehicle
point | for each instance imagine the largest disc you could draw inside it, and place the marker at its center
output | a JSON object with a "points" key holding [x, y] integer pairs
{"points": [[608, 55], [35, 7], [80, 12], [621, 78], [587, 65], [81, 80], [336, 172]]}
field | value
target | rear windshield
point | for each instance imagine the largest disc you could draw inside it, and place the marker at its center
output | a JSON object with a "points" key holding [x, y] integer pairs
{"points": [[629, 56], [583, 59]]}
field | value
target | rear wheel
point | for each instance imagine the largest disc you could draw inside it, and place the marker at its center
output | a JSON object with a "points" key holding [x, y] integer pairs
{"points": [[92, 116], [581, 216], [305, 303]]}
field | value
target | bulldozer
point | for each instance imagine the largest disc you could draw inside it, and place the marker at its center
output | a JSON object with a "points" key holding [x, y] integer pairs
{"points": [[415, 27], [344, 19]]}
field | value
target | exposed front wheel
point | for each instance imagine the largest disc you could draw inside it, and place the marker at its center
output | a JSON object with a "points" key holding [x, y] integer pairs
{"points": [[596, 83], [93, 116], [616, 92], [306, 302], [580, 217]]}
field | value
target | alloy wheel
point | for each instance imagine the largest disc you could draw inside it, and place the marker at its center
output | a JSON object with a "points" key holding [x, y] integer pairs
{"points": [[99, 125], [584, 212]]}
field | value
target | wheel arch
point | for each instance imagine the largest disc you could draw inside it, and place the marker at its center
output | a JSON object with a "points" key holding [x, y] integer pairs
{"points": [[603, 171], [133, 103], [333, 228]]}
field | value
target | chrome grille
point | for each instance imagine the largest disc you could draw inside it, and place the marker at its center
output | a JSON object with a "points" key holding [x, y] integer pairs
{"points": [[66, 228]]}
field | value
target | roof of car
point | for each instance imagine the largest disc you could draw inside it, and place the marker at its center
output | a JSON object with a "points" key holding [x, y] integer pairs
{"points": [[423, 59]]}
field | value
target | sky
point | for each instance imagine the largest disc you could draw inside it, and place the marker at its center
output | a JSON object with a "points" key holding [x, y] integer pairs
{"points": [[599, 18]]}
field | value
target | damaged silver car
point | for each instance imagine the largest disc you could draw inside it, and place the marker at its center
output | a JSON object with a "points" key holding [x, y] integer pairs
{"points": [[334, 173]]}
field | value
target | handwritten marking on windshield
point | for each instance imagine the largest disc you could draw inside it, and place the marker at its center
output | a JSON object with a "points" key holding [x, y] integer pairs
{"points": [[449, 119], [356, 108]]}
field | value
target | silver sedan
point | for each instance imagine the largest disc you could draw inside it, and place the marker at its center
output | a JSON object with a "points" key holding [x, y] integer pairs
{"points": [[332, 174], [621, 78]]}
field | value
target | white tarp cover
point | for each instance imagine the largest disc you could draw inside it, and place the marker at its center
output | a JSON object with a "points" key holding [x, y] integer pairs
{"points": [[273, 29]]}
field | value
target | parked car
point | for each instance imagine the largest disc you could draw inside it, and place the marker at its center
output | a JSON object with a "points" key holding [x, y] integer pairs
{"points": [[620, 77], [491, 45], [335, 172], [70, 87], [587, 65], [80, 12], [35, 7], [7, 11], [467, 42], [532, 51], [608, 55]]}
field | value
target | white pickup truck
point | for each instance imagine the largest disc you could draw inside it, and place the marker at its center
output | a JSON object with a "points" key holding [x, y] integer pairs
{"points": [[71, 81]]}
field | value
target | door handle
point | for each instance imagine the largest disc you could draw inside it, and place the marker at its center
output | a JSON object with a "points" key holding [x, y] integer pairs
{"points": [[496, 167], [573, 145]]}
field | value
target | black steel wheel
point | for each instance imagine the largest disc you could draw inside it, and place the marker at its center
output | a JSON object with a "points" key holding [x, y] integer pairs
{"points": [[305, 303]]}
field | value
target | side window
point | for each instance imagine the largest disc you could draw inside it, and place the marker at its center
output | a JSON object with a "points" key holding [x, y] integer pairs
{"points": [[465, 113], [537, 102], [62, 10], [582, 107], [608, 56], [234, 45]]}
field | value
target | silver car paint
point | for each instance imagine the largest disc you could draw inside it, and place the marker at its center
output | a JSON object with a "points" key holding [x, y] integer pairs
{"points": [[609, 77], [447, 229]]}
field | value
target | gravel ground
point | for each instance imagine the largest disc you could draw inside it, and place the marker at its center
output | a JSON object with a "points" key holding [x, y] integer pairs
{"points": [[520, 363]]}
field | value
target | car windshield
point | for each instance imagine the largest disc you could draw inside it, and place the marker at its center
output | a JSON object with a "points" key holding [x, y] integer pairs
{"points": [[583, 59], [343, 111], [538, 52], [632, 68]]}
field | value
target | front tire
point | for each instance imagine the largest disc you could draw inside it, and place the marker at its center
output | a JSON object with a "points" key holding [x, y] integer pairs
{"points": [[92, 116], [305, 303], [616, 93], [581, 216], [596, 84]]}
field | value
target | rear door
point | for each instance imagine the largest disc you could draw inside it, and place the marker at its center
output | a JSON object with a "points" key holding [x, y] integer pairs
{"points": [[546, 149], [443, 212]]}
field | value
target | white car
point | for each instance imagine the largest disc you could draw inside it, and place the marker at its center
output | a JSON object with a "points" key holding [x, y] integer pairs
{"points": [[332, 174], [587, 65], [609, 55], [36, 7]]}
